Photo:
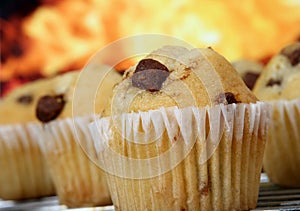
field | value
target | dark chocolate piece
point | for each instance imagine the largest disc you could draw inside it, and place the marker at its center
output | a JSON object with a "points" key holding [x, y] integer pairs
{"points": [[227, 98], [293, 56], [230, 98], [150, 75], [25, 99], [250, 78], [146, 64], [49, 107], [151, 79], [273, 82]]}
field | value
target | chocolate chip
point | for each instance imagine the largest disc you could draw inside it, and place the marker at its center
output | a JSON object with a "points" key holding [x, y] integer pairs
{"points": [[273, 82], [25, 99], [150, 75], [250, 79], [49, 107], [146, 64], [151, 79], [293, 56], [230, 98], [227, 98]]}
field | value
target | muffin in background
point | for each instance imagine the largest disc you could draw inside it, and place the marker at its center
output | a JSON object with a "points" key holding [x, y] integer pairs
{"points": [[24, 173], [279, 84], [78, 181], [188, 135], [249, 70]]}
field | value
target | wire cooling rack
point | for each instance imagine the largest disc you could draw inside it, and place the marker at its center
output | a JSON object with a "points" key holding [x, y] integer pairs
{"points": [[271, 197]]}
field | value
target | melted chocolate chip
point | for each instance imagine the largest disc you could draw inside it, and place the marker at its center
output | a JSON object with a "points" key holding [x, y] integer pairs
{"points": [[293, 56], [151, 79], [230, 98], [227, 98], [250, 79], [150, 75], [146, 64], [49, 107], [273, 82], [25, 99]]}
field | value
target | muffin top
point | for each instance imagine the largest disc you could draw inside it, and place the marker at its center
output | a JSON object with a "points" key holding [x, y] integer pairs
{"points": [[19, 105], [47, 99], [249, 70], [280, 79], [176, 76]]}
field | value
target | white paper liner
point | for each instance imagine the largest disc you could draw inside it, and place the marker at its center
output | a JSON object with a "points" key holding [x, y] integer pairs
{"points": [[282, 155], [78, 181], [208, 171], [189, 122], [24, 173]]}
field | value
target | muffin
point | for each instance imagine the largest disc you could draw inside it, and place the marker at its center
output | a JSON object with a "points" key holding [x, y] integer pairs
{"points": [[78, 181], [279, 84], [182, 132], [24, 171], [249, 70]]}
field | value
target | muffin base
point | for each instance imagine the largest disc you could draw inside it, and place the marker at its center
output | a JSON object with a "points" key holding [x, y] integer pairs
{"points": [[282, 154], [78, 181], [228, 179], [24, 173]]}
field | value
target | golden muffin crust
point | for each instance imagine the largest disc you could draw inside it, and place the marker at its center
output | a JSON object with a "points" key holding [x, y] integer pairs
{"points": [[22, 104], [280, 79], [176, 76]]}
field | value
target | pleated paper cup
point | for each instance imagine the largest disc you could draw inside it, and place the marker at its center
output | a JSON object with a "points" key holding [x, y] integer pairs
{"points": [[78, 181], [282, 155], [183, 159], [23, 170]]}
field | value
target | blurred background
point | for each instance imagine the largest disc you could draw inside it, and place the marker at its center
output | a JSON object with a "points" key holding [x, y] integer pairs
{"points": [[40, 38]]}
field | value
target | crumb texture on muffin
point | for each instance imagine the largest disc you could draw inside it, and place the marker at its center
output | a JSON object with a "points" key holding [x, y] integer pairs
{"points": [[176, 76], [249, 70], [280, 78]]}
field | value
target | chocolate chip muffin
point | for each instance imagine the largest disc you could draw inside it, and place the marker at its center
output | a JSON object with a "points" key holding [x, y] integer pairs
{"points": [[26, 174], [181, 132], [249, 70], [279, 84], [78, 181]]}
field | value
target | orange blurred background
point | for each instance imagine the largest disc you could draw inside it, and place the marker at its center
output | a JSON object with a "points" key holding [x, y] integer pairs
{"points": [[54, 36]]}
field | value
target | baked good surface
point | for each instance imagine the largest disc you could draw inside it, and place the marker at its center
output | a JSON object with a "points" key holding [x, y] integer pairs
{"points": [[249, 70], [280, 78], [176, 76], [48, 99], [19, 106]]}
